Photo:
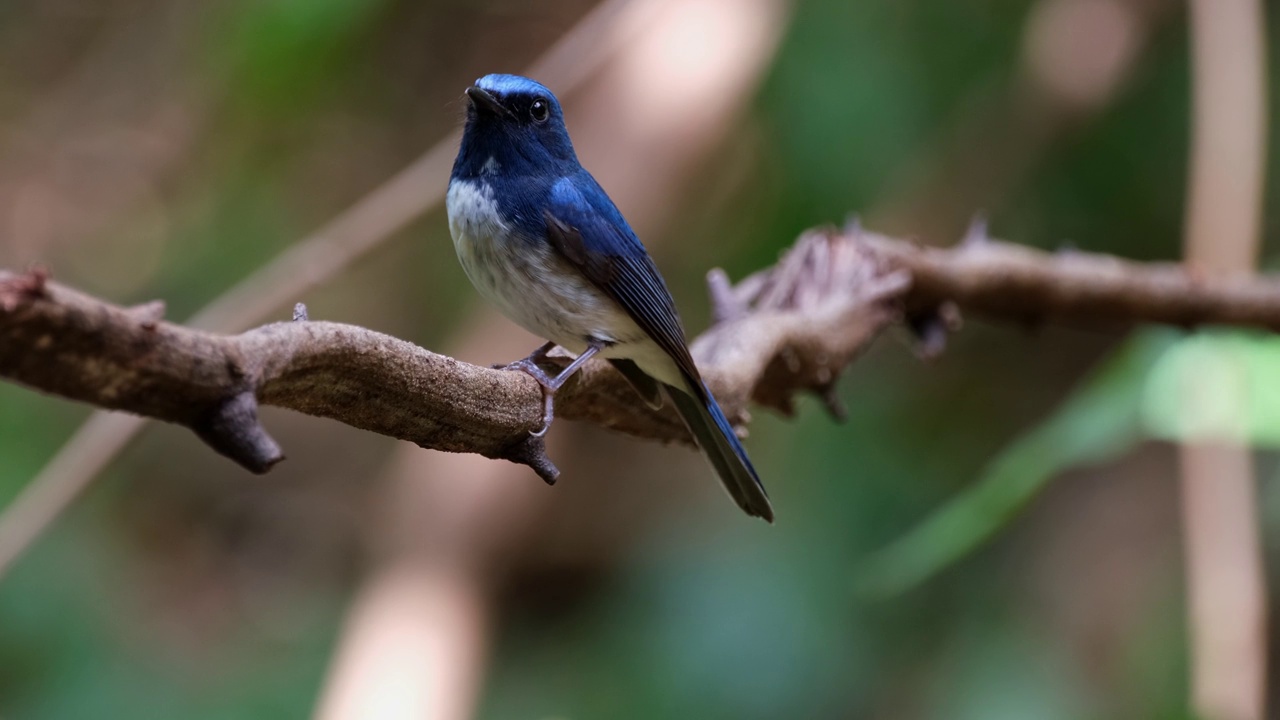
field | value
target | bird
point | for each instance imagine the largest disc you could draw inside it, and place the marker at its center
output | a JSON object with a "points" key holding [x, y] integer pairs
{"points": [[540, 239]]}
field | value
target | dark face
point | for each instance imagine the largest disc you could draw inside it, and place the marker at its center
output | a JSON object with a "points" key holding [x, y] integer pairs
{"points": [[514, 127], [517, 107]]}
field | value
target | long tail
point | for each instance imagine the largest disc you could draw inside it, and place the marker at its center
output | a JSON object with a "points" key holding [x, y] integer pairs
{"points": [[720, 444]]}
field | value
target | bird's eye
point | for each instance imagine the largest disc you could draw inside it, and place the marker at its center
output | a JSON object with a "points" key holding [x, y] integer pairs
{"points": [[540, 110]]}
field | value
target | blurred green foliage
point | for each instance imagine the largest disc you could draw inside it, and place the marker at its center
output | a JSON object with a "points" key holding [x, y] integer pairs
{"points": [[1100, 420]]}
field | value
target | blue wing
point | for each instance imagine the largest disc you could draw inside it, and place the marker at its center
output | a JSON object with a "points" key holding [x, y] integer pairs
{"points": [[586, 228]]}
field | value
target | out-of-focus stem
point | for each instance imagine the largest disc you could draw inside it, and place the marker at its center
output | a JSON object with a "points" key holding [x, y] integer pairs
{"points": [[1226, 584]]}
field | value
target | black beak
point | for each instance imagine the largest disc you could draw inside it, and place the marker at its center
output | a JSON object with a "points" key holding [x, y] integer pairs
{"points": [[484, 101]]}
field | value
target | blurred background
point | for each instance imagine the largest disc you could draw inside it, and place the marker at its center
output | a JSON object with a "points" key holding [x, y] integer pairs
{"points": [[992, 534]]}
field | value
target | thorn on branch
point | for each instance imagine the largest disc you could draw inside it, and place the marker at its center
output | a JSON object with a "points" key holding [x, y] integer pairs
{"points": [[804, 321], [532, 451], [148, 314], [976, 235], [931, 336], [725, 305], [37, 276], [853, 226], [232, 429], [19, 288], [831, 401], [932, 328], [888, 287], [300, 313]]}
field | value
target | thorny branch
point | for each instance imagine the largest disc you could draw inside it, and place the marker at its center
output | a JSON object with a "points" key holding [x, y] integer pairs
{"points": [[790, 328]]}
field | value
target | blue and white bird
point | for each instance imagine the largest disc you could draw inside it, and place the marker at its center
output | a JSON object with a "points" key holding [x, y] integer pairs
{"points": [[540, 238]]}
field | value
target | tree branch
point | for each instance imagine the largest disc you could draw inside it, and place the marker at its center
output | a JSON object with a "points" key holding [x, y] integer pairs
{"points": [[790, 328], [1004, 281]]}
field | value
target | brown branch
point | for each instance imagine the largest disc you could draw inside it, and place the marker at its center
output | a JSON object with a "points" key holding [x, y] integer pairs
{"points": [[591, 43], [1011, 282], [792, 327], [63, 342]]}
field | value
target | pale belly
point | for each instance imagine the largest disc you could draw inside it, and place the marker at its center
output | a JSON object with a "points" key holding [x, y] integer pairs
{"points": [[538, 289]]}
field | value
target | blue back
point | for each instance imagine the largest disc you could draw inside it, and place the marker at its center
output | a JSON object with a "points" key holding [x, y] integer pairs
{"points": [[539, 187]]}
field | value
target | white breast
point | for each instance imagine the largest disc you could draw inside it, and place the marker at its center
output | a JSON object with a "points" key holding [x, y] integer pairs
{"points": [[537, 288], [472, 213]]}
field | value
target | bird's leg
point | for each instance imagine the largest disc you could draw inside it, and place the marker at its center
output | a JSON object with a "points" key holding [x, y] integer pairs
{"points": [[550, 385], [529, 364]]}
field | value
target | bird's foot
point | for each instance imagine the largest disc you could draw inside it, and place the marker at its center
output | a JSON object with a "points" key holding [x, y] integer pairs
{"points": [[546, 382], [550, 385], [530, 364]]}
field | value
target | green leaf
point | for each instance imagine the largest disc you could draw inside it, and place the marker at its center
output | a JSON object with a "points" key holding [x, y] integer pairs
{"points": [[281, 52], [1099, 421], [1221, 385]]}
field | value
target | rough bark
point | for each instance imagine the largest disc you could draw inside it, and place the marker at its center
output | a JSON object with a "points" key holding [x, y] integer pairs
{"points": [[791, 328]]}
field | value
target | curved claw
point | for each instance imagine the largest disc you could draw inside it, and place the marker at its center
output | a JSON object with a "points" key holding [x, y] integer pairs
{"points": [[530, 368], [548, 411], [547, 384], [550, 385]]}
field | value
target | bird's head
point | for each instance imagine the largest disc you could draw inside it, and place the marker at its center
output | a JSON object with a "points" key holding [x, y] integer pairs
{"points": [[514, 126]]}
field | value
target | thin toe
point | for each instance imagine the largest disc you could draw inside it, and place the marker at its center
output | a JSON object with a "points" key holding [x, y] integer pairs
{"points": [[530, 368]]}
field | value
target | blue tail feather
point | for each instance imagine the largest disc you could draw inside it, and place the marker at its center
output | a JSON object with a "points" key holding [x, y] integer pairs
{"points": [[716, 437]]}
